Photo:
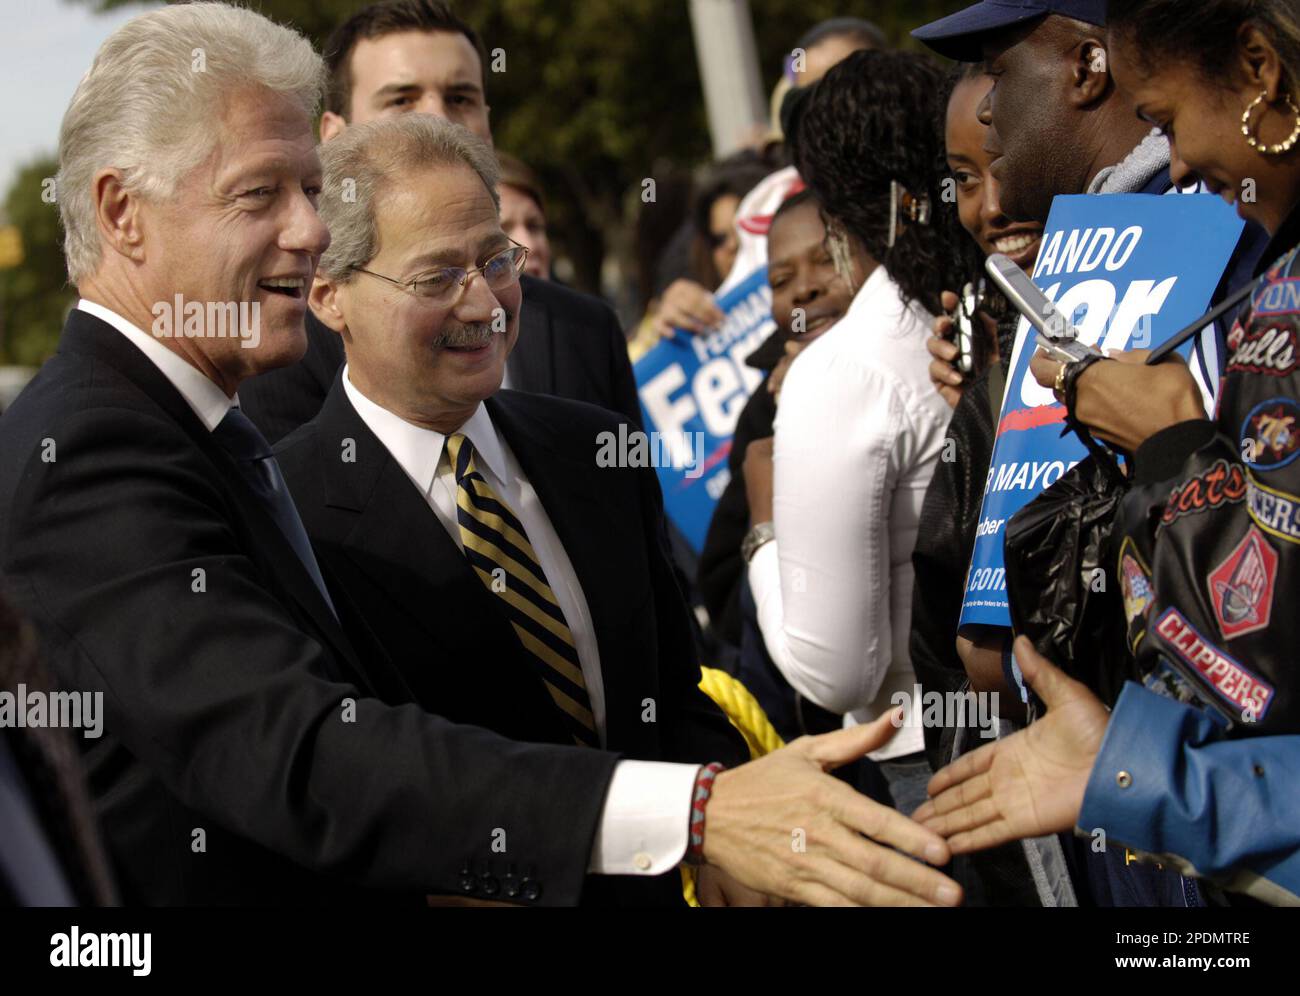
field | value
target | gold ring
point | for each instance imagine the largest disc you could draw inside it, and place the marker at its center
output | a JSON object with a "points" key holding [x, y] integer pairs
{"points": [[1058, 388]]}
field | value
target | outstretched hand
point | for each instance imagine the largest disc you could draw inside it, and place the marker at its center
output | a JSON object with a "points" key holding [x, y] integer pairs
{"points": [[1031, 783], [783, 827]]}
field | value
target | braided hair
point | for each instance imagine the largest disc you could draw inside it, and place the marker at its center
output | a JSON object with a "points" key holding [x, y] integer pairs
{"points": [[877, 117]]}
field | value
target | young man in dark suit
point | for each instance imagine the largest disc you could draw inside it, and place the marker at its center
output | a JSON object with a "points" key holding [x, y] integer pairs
{"points": [[403, 56], [253, 753]]}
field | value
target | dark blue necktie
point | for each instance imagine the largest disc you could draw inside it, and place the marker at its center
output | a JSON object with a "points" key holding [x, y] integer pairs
{"points": [[238, 436]]}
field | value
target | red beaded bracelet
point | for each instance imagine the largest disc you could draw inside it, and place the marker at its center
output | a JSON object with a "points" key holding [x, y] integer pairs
{"points": [[699, 801]]}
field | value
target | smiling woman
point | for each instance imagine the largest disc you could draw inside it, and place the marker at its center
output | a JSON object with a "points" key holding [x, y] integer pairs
{"points": [[858, 420], [1202, 571], [1212, 80]]}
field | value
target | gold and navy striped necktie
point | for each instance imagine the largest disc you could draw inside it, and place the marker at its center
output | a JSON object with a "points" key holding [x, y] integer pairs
{"points": [[498, 549]]}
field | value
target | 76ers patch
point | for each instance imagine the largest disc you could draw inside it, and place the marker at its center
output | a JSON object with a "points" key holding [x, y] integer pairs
{"points": [[1250, 694], [1241, 588], [1270, 436]]}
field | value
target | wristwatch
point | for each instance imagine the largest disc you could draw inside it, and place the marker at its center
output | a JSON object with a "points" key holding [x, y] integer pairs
{"points": [[759, 533]]}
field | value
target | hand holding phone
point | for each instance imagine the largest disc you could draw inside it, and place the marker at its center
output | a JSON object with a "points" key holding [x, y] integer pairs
{"points": [[1057, 337]]}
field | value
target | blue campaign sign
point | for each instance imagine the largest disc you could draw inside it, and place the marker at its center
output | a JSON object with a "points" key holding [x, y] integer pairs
{"points": [[1128, 270], [692, 390]]}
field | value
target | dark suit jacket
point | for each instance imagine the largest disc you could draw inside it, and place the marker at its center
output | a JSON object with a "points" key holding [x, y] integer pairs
{"points": [[569, 345], [251, 755], [445, 631]]}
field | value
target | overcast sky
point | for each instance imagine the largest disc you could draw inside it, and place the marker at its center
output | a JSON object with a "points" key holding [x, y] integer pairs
{"points": [[45, 47]]}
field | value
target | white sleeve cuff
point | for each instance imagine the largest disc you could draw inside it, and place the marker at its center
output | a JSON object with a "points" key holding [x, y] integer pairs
{"points": [[646, 820], [764, 573]]}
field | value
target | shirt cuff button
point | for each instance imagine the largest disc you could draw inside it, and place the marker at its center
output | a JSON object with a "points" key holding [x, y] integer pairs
{"points": [[642, 860], [1123, 779]]}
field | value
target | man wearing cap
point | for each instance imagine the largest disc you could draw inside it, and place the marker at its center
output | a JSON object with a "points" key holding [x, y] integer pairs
{"points": [[1057, 124]]}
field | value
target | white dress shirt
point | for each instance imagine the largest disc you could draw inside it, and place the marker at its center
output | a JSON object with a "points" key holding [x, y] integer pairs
{"points": [[858, 433], [208, 401], [644, 826]]}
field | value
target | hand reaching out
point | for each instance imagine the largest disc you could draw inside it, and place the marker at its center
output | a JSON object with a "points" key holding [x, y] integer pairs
{"points": [[1031, 783], [781, 826]]}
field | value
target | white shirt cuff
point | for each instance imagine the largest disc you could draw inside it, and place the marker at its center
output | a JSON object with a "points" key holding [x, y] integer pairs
{"points": [[764, 574], [646, 820]]}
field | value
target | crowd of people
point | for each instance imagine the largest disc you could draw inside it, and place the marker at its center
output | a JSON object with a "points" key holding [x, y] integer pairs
{"points": [[371, 624]]}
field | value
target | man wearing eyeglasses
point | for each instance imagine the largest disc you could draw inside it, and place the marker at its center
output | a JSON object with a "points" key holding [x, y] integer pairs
{"points": [[514, 583], [399, 57], [252, 752]]}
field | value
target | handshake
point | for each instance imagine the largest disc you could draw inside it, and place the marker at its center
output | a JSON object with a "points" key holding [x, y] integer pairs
{"points": [[780, 826]]}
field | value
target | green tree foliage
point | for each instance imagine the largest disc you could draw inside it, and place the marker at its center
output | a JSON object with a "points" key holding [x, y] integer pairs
{"points": [[597, 95], [34, 296]]}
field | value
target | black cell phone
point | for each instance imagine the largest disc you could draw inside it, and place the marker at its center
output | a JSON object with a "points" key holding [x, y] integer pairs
{"points": [[963, 321]]}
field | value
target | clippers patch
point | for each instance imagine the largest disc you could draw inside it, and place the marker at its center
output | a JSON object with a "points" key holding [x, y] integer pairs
{"points": [[1250, 695]]}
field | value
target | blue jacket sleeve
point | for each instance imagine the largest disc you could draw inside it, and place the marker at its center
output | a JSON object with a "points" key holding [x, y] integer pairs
{"points": [[1223, 809]]}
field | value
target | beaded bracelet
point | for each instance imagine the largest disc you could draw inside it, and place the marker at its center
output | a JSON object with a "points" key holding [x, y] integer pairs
{"points": [[699, 801]]}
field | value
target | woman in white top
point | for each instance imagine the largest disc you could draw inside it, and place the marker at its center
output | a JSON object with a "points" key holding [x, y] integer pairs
{"points": [[860, 427]]}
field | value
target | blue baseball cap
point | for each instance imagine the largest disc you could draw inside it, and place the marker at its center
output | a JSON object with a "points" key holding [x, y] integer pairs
{"points": [[959, 36]]}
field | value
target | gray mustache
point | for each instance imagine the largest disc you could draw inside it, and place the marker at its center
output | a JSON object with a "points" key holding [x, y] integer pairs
{"points": [[470, 336]]}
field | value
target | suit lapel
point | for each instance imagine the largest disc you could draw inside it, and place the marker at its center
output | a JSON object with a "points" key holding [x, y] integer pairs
{"points": [[271, 548], [400, 545]]}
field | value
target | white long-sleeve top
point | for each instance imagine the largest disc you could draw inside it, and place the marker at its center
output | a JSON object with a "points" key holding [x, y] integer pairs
{"points": [[858, 433]]}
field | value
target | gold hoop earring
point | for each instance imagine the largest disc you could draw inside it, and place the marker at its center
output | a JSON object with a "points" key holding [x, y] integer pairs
{"points": [[1255, 143]]}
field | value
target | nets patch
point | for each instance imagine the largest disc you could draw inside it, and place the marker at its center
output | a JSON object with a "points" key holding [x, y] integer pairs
{"points": [[1278, 297], [1241, 588]]}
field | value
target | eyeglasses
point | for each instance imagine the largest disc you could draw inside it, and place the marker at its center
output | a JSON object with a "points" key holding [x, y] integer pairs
{"points": [[446, 285]]}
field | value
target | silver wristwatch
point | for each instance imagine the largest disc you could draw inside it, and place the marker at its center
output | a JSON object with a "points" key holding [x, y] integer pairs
{"points": [[759, 533]]}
